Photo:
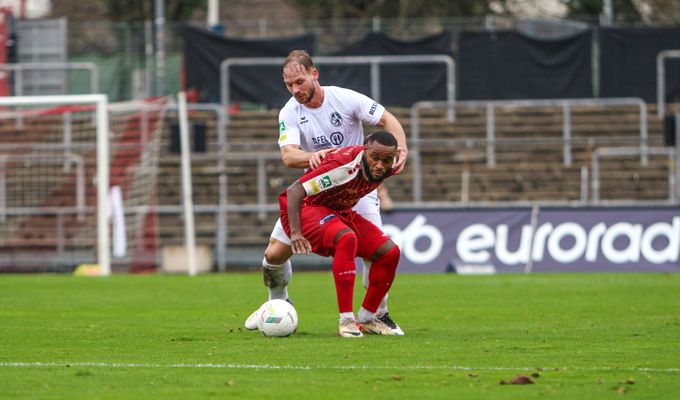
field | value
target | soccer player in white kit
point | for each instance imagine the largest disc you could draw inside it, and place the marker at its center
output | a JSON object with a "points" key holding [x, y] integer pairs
{"points": [[315, 121]]}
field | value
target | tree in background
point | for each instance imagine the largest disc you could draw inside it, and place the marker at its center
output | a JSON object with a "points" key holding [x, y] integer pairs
{"points": [[125, 10], [624, 10], [660, 11], [651, 11], [667, 11], [141, 10], [332, 9]]}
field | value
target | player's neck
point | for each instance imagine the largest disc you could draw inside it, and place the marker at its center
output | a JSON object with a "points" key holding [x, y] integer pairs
{"points": [[317, 100]]}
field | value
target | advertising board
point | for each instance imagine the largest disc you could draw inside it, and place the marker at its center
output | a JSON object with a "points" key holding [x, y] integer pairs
{"points": [[485, 241]]}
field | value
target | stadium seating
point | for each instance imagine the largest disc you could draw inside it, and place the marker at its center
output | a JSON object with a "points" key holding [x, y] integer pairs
{"points": [[528, 154], [528, 167]]}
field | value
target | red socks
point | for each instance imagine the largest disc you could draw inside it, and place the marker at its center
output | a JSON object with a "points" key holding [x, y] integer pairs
{"points": [[380, 278], [344, 271]]}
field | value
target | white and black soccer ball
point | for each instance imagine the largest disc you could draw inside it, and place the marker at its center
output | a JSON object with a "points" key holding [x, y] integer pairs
{"points": [[278, 318]]}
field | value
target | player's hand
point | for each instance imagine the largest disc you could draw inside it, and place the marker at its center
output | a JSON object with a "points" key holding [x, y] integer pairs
{"points": [[318, 156], [300, 245], [401, 160]]}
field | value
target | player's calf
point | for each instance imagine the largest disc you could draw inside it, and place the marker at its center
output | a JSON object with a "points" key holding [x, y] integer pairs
{"points": [[344, 269], [276, 278], [380, 278]]}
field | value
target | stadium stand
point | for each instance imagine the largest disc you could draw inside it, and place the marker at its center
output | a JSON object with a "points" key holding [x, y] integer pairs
{"points": [[528, 155], [529, 167]]}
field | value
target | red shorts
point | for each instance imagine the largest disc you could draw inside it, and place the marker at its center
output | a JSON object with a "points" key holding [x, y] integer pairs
{"points": [[317, 221]]}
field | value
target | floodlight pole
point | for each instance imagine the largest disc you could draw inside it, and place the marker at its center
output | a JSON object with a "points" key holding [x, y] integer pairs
{"points": [[608, 12], [213, 12], [160, 47]]}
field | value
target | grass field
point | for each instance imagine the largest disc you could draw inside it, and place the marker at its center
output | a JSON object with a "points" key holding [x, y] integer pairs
{"points": [[587, 336]]}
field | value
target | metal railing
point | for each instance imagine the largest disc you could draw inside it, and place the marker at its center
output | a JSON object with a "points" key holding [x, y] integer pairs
{"points": [[415, 149], [146, 108], [260, 205], [610, 152], [223, 207], [661, 80], [19, 69], [373, 61], [491, 140], [68, 145]]}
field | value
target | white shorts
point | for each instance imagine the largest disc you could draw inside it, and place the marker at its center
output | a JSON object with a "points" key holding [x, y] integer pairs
{"points": [[368, 207]]}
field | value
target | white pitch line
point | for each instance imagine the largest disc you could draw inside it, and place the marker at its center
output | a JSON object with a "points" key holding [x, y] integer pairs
{"points": [[339, 367]]}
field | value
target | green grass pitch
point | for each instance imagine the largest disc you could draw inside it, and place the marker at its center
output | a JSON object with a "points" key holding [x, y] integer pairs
{"points": [[587, 336]]}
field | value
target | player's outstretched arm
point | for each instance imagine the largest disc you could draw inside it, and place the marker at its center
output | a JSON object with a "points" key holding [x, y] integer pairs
{"points": [[392, 125], [298, 243], [294, 157]]}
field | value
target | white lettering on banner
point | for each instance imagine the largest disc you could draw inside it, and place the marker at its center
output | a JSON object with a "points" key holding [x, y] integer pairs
{"points": [[632, 252], [670, 253], [475, 240], [407, 239], [562, 231], [472, 242], [522, 253], [594, 236], [539, 241]]}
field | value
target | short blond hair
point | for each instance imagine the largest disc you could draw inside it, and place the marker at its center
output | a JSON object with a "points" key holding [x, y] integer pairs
{"points": [[300, 57]]}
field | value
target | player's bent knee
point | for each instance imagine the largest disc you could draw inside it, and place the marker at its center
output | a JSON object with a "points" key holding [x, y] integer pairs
{"points": [[384, 248], [344, 234], [345, 240], [333, 235], [384, 269], [277, 252], [392, 256]]}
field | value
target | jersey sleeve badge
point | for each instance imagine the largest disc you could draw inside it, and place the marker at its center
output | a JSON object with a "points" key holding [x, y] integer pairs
{"points": [[282, 131]]}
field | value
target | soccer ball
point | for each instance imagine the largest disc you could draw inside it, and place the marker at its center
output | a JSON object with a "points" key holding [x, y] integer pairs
{"points": [[278, 318]]}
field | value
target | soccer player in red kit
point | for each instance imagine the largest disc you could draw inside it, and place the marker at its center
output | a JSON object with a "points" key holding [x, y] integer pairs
{"points": [[317, 215]]}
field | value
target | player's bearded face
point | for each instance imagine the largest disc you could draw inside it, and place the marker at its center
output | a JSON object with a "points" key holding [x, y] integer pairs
{"points": [[378, 160], [299, 82], [304, 97]]}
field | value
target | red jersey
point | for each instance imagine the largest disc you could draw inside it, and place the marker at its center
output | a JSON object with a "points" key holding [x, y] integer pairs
{"points": [[338, 182]]}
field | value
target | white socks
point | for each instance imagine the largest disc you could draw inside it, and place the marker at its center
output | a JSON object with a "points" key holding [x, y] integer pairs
{"points": [[364, 315], [346, 315], [365, 270], [276, 278]]}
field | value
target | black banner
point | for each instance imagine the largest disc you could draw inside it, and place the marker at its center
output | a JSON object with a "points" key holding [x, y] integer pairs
{"points": [[204, 51], [628, 62], [509, 65], [400, 84]]}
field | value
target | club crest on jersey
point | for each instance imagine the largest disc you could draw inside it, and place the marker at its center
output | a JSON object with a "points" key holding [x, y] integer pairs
{"points": [[336, 119], [282, 126], [337, 138]]}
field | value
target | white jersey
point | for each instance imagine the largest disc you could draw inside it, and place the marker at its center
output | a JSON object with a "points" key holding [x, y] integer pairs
{"points": [[336, 123]]}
